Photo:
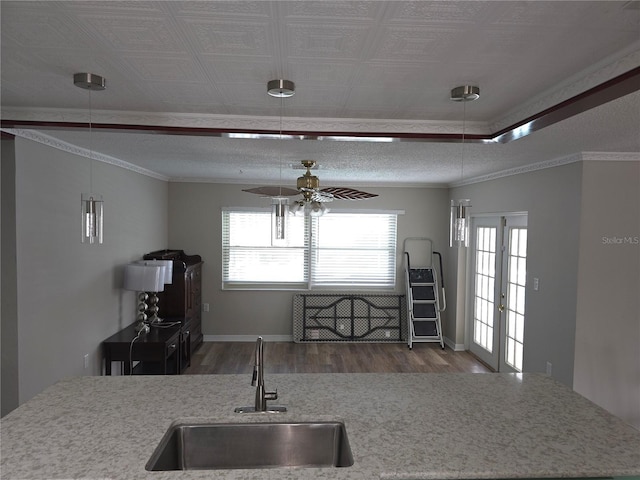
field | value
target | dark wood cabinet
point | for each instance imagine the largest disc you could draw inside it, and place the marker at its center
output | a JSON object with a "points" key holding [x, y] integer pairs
{"points": [[183, 297]]}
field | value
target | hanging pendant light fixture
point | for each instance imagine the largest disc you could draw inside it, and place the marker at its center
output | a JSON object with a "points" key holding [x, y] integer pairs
{"points": [[280, 204], [92, 205], [459, 222]]}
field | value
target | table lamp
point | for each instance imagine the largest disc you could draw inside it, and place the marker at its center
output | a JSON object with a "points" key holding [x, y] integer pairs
{"points": [[145, 278], [168, 275]]}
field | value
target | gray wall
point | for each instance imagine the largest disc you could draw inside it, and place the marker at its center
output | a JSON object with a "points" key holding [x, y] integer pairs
{"points": [[69, 294], [195, 226], [607, 352], [552, 199], [9, 299], [585, 317]]}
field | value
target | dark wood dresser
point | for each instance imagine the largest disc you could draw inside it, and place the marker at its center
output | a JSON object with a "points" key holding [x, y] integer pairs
{"points": [[183, 297]]}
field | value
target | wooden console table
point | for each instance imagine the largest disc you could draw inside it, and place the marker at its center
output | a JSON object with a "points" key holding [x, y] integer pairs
{"points": [[163, 350]]}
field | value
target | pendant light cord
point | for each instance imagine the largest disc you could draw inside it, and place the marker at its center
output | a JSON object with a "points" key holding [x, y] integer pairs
{"points": [[90, 147], [280, 163], [464, 122]]}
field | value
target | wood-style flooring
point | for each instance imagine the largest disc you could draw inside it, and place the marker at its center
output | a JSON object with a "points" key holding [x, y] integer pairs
{"points": [[287, 357]]}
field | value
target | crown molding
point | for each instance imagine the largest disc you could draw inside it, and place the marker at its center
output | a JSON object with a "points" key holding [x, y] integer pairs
{"points": [[578, 157], [83, 152], [611, 156], [520, 170]]}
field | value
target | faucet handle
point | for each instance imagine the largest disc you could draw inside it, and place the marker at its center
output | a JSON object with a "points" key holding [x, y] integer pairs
{"points": [[271, 395]]}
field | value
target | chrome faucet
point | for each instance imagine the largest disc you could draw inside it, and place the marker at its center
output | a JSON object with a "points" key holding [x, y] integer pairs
{"points": [[257, 380]]}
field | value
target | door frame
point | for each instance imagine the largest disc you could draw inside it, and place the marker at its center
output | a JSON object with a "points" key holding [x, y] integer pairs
{"points": [[470, 271]]}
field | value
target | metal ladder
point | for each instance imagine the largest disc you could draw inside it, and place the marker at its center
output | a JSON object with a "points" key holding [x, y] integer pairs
{"points": [[425, 295]]}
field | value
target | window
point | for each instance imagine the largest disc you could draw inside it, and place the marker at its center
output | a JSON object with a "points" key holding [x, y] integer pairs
{"points": [[339, 249], [248, 259]]}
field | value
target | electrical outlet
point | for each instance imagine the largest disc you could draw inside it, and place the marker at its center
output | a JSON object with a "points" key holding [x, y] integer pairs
{"points": [[536, 284], [205, 307], [86, 361], [549, 367]]}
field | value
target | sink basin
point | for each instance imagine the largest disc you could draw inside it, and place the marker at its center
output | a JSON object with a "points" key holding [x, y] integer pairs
{"points": [[252, 445]]}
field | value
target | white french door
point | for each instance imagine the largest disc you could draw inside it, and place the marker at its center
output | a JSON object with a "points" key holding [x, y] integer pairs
{"points": [[498, 282]]}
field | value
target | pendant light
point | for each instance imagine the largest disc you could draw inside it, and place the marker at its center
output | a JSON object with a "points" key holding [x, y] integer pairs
{"points": [[280, 204], [92, 205], [459, 222]]}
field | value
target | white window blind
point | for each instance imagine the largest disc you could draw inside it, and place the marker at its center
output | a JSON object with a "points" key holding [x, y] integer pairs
{"points": [[335, 250], [248, 257], [354, 249]]}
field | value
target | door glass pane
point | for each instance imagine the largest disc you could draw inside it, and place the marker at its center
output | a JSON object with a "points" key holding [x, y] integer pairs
{"points": [[517, 276], [484, 287]]}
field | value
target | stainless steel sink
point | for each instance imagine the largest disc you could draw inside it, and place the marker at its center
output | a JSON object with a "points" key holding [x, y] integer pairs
{"points": [[252, 445]]}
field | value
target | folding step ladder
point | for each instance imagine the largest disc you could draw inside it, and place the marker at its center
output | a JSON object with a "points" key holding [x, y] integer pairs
{"points": [[425, 294]]}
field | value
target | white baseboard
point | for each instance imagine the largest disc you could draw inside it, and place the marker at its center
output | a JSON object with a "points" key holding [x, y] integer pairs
{"points": [[247, 338], [456, 347]]}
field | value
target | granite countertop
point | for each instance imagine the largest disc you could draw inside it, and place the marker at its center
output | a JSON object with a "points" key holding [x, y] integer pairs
{"points": [[400, 426]]}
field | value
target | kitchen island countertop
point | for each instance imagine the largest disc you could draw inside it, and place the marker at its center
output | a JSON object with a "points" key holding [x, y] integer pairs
{"points": [[400, 426]]}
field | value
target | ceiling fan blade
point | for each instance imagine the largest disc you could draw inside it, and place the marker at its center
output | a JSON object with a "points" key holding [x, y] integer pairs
{"points": [[321, 196], [345, 193], [270, 191]]}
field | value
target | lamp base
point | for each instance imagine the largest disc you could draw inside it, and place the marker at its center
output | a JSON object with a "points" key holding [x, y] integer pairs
{"points": [[142, 327], [153, 309]]}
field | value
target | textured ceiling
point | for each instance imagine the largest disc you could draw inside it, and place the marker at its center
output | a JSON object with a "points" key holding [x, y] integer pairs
{"points": [[367, 66]]}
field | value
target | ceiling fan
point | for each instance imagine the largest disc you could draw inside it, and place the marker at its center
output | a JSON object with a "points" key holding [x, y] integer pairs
{"points": [[309, 186]]}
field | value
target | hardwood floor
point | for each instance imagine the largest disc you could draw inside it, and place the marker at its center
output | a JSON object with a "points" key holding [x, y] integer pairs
{"points": [[288, 357]]}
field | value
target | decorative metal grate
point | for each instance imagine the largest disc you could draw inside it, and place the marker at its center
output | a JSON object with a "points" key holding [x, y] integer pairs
{"points": [[349, 318]]}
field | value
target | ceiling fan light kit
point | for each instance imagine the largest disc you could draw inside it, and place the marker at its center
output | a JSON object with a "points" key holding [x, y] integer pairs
{"points": [[458, 223], [313, 209]]}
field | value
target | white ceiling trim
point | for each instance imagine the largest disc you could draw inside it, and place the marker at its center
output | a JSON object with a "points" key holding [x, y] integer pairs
{"points": [[519, 170], [611, 156], [83, 152], [578, 157]]}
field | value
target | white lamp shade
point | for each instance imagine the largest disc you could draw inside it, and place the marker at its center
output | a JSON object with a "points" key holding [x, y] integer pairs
{"points": [[168, 268], [144, 278]]}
